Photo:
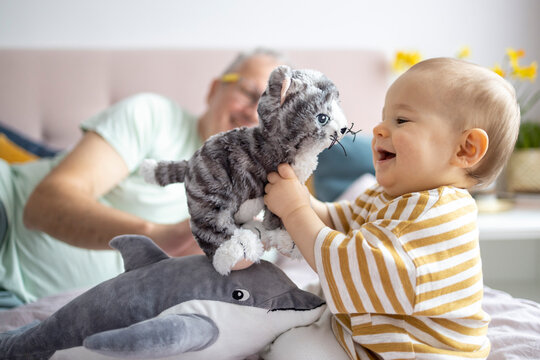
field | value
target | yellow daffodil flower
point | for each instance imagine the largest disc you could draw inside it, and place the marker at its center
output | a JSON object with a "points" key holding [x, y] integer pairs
{"points": [[405, 60], [498, 70], [514, 56], [464, 52], [526, 72]]}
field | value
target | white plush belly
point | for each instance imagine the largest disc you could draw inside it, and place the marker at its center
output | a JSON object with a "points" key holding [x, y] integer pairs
{"points": [[305, 163], [248, 210]]}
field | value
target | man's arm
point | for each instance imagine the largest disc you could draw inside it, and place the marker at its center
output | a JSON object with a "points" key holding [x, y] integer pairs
{"points": [[65, 206]]}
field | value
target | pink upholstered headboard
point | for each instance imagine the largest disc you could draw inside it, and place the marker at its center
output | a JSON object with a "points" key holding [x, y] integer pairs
{"points": [[47, 93]]}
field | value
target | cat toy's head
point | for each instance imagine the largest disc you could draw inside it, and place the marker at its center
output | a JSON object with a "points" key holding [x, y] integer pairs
{"points": [[302, 108]]}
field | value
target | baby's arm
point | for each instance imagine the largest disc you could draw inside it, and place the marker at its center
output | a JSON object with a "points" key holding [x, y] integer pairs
{"points": [[322, 211], [290, 200], [345, 265]]}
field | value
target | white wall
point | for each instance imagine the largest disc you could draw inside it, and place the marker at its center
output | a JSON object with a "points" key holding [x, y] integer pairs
{"points": [[435, 27]]}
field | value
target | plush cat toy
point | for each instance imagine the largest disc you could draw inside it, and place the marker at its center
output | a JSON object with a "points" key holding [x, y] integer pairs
{"points": [[299, 116]]}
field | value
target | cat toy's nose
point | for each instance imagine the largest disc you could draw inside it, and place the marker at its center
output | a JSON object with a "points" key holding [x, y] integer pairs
{"points": [[343, 130]]}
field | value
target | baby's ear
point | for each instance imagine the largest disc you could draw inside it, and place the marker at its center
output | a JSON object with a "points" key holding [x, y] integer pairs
{"points": [[472, 148], [280, 82]]}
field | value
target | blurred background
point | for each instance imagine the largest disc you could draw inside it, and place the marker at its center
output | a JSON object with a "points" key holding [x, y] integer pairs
{"points": [[481, 31], [484, 29], [432, 27]]}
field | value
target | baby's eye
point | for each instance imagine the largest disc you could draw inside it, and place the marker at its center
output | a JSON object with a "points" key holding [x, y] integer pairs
{"points": [[323, 119], [401, 121]]}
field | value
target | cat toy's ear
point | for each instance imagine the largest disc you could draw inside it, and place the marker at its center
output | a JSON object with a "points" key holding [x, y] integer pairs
{"points": [[284, 87], [280, 82]]}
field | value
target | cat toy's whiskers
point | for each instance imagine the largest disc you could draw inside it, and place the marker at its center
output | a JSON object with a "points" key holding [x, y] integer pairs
{"points": [[336, 140], [351, 131]]}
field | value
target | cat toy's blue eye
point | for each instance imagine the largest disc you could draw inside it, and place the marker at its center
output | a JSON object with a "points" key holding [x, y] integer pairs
{"points": [[240, 295], [323, 119]]}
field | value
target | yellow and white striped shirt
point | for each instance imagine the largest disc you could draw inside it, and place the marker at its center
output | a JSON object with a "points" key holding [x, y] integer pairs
{"points": [[403, 276]]}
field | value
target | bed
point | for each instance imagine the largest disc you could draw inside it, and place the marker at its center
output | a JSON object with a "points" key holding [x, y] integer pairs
{"points": [[45, 94]]}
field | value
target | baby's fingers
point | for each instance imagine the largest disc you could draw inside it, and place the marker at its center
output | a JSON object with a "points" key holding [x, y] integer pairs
{"points": [[273, 177], [286, 171]]}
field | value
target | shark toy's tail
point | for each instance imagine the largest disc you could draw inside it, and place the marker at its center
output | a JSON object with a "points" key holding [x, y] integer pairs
{"points": [[163, 172], [22, 344]]}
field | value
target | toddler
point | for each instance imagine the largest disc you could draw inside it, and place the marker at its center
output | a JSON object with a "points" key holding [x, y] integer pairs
{"points": [[401, 272]]}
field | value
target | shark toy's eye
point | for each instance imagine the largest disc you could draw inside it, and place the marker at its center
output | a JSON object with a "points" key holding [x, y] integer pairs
{"points": [[240, 295], [323, 119]]}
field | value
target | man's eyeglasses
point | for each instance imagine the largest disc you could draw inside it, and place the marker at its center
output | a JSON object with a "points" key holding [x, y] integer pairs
{"points": [[245, 87]]}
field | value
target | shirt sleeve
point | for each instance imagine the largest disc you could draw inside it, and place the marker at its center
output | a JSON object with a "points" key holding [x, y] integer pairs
{"points": [[344, 213], [132, 126], [365, 271], [363, 265]]}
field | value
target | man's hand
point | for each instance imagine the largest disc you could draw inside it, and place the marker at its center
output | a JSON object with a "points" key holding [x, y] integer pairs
{"points": [[174, 239], [284, 192]]}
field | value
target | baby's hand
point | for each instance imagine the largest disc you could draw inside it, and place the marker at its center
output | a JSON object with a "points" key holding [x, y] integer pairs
{"points": [[242, 264], [284, 192]]}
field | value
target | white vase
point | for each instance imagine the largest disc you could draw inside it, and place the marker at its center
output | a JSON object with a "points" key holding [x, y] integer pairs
{"points": [[524, 170]]}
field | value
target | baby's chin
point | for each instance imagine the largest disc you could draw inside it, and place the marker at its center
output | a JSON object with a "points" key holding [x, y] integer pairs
{"points": [[398, 190], [387, 187], [393, 193]]}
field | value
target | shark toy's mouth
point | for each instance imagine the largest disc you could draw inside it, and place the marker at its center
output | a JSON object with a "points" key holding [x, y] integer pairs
{"points": [[297, 309], [293, 300]]}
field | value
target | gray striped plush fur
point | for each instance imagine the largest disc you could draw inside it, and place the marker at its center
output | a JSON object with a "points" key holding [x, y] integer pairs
{"points": [[225, 178]]}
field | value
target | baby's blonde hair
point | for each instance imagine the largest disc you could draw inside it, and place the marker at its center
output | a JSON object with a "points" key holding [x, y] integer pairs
{"points": [[479, 98]]}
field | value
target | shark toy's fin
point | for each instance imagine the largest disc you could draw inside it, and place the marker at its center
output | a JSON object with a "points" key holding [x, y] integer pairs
{"points": [[137, 251], [161, 336]]}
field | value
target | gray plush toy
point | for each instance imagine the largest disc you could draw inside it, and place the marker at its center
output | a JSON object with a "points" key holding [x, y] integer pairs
{"points": [[299, 117], [173, 308]]}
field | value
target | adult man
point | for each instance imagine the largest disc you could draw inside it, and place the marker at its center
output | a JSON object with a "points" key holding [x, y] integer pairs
{"points": [[75, 203]]}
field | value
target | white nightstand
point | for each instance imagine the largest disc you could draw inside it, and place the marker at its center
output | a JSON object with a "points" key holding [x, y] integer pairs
{"points": [[510, 246]]}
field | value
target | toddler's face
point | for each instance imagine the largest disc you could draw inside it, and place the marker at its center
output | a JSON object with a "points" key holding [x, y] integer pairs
{"points": [[413, 144]]}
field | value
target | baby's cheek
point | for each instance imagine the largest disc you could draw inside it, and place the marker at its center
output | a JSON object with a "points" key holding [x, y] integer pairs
{"points": [[407, 147]]}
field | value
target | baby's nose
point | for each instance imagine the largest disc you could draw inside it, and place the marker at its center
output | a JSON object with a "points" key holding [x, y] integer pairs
{"points": [[343, 130]]}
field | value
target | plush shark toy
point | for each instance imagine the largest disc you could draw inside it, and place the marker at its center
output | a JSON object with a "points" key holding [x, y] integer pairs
{"points": [[173, 308]]}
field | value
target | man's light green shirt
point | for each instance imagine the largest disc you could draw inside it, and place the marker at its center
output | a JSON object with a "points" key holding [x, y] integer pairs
{"points": [[34, 264]]}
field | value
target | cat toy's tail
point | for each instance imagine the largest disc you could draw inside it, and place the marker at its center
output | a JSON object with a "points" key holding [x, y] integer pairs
{"points": [[163, 172]]}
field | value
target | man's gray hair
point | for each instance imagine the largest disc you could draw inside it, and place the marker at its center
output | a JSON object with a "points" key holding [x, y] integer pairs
{"points": [[243, 56]]}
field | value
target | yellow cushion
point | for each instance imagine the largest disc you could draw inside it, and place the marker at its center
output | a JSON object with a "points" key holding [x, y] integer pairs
{"points": [[13, 153]]}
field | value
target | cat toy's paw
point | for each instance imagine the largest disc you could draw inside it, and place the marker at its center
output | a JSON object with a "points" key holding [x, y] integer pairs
{"points": [[148, 170], [281, 240], [256, 227], [244, 244]]}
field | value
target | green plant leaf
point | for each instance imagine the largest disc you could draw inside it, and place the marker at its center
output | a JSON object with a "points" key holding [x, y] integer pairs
{"points": [[529, 135]]}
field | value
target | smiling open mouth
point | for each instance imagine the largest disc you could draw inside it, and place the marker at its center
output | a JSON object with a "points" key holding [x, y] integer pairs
{"points": [[386, 155]]}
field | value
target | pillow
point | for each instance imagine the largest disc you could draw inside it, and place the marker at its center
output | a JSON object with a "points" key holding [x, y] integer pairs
{"points": [[22, 141], [12, 153], [312, 342], [336, 172]]}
